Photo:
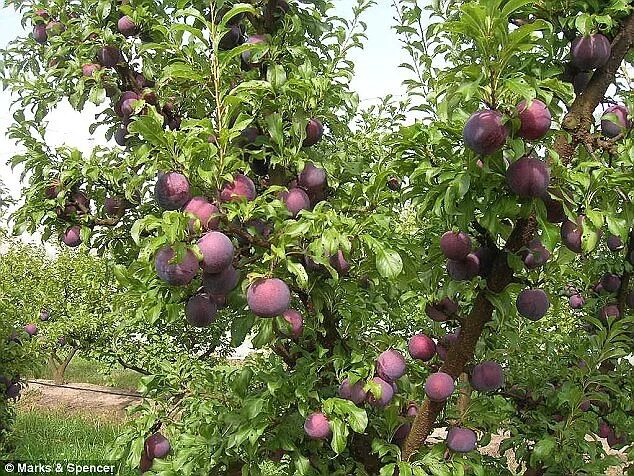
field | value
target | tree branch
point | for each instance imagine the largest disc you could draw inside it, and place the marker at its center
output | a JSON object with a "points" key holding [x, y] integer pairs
{"points": [[132, 367]]}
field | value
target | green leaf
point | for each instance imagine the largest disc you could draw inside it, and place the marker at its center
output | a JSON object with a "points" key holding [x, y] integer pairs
{"points": [[339, 435]]}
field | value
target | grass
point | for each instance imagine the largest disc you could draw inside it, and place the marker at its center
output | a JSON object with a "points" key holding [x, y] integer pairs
{"points": [[45, 435], [84, 371]]}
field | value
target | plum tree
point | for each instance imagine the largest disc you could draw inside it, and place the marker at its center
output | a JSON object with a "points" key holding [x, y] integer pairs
{"points": [[384, 395], [439, 386], [200, 310], [422, 347], [532, 304], [590, 51], [353, 392], [242, 188], [173, 269], [534, 119], [461, 440], [217, 252], [484, 132], [455, 245], [390, 365], [317, 426], [487, 376], [614, 120], [528, 177], [172, 190], [268, 297]]}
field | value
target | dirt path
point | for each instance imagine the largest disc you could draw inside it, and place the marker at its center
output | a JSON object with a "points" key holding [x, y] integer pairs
{"points": [[78, 397]]}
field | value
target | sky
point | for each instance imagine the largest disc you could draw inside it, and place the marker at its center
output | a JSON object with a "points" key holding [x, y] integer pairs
{"points": [[377, 74]]}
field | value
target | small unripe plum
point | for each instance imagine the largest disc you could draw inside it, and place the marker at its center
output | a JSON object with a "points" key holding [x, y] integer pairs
{"points": [[220, 284], [528, 177], [401, 433], [532, 304], [537, 254], [571, 233], [464, 270], [30, 329], [385, 396], [484, 132], [609, 310], [241, 188], [115, 206], [576, 301], [534, 119], [296, 323], [200, 310], [612, 127], [72, 236], [390, 365], [231, 39], [461, 440], [217, 251], [126, 26], [439, 386], [109, 56], [455, 245], [590, 52], [580, 81], [246, 55], [355, 393], [177, 273], [610, 282], [338, 261], [317, 426], [149, 97], [296, 200], [615, 243], [268, 297], [54, 28], [205, 213], [172, 190], [157, 446], [487, 376], [422, 347], [314, 132], [584, 406], [89, 69], [312, 178]]}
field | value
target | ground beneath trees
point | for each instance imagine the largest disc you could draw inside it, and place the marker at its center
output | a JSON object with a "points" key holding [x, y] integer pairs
{"points": [[78, 397], [111, 403]]}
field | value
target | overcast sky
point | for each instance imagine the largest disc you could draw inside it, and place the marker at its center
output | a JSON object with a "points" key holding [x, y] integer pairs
{"points": [[377, 74]]}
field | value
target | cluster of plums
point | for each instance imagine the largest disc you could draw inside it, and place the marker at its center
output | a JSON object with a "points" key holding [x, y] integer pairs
{"points": [[391, 365], [266, 297]]}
